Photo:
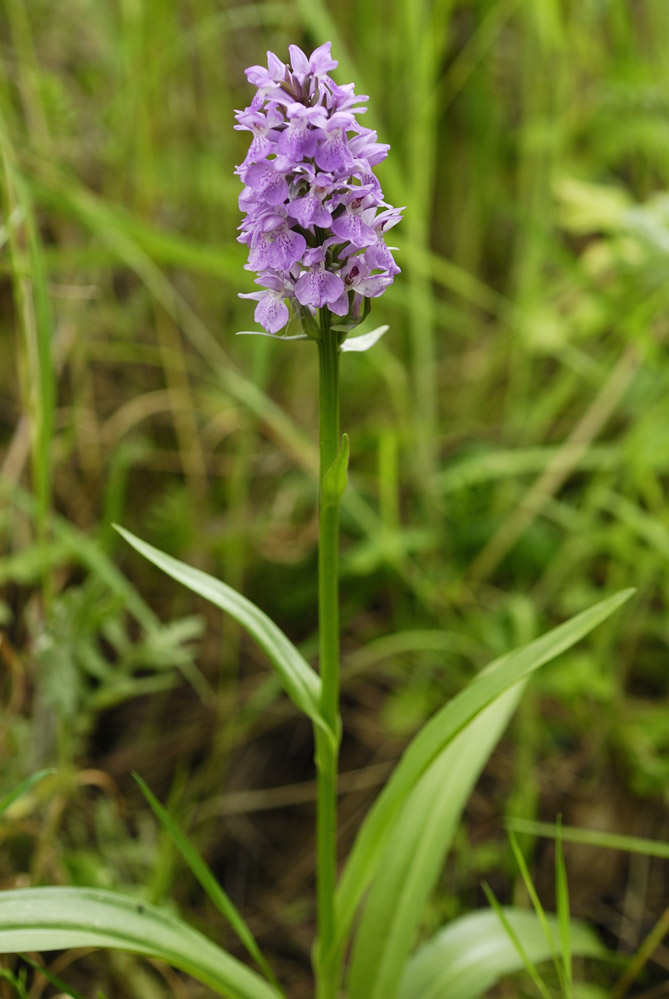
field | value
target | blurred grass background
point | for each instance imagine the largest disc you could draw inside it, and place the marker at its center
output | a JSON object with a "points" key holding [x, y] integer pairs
{"points": [[510, 448]]}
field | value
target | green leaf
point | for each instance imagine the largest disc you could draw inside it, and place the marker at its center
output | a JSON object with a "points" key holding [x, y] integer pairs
{"points": [[528, 963], [299, 680], [37, 919], [414, 857], [371, 841], [334, 482], [562, 903], [63, 987], [535, 900], [592, 837], [22, 788], [34, 319], [205, 876], [472, 953]]}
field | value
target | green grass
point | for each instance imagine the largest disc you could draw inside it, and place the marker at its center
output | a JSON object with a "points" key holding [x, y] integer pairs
{"points": [[509, 446]]}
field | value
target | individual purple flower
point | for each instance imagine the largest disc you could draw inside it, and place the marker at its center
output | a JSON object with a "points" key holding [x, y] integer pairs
{"points": [[267, 80], [263, 127], [271, 311], [365, 147], [299, 141], [344, 98], [355, 223], [316, 66], [358, 278], [317, 286], [308, 209], [314, 213], [267, 182], [379, 258], [286, 247], [333, 153]]}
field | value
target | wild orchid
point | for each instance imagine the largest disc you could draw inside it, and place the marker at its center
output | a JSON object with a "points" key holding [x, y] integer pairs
{"points": [[315, 218]]}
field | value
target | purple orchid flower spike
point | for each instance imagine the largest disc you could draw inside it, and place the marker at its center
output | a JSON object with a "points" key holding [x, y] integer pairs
{"points": [[314, 213]]}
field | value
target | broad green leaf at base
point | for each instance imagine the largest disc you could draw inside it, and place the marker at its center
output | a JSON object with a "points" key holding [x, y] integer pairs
{"points": [[412, 862], [37, 919], [472, 953], [441, 729]]}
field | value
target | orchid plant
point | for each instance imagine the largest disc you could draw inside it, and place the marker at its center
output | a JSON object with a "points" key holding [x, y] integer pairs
{"points": [[314, 223]]}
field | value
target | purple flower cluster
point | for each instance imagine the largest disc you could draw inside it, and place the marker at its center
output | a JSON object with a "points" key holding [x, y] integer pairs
{"points": [[315, 217]]}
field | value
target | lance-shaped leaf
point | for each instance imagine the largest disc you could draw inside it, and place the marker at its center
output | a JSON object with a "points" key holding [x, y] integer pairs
{"points": [[472, 953], [433, 739], [413, 859], [37, 919], [298, 679]]}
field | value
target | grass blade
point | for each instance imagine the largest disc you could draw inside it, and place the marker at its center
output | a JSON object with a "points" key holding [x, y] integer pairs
{"points": [[562, 903], [534, 898], [23, 788], [527, 962], [63, 987], [35, 321], [204, 875], [592, 837]]}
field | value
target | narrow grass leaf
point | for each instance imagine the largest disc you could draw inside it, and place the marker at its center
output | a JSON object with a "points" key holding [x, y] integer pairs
{"points": [[18, 984], [534, 898], [412, 862], [63, 988], [38, 919], [562, 903], [209, 882], [639, 960], [23, 788], [35, 320], [592, 837], [469, 956], [434, 737], [299, 680], [528, 964]]}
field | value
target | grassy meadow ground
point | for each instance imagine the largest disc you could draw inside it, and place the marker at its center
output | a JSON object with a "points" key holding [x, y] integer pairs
{"points": [[510, 453]]}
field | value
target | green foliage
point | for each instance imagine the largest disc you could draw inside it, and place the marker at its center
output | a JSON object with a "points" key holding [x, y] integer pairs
{"points": [[62, 918], [207, 880], [300, 681], [435, 738], [471, 954], [10, 797], [89, 662], [410, 865]]}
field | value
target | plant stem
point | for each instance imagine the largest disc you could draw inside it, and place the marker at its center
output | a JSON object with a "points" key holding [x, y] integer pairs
{"points": [[328, 628]]}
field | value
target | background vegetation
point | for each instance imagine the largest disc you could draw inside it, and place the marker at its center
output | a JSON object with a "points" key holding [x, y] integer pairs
{"points": [[510, 451]]}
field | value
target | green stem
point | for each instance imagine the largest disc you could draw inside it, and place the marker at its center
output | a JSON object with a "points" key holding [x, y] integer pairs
{"points": [[328, 627]]}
